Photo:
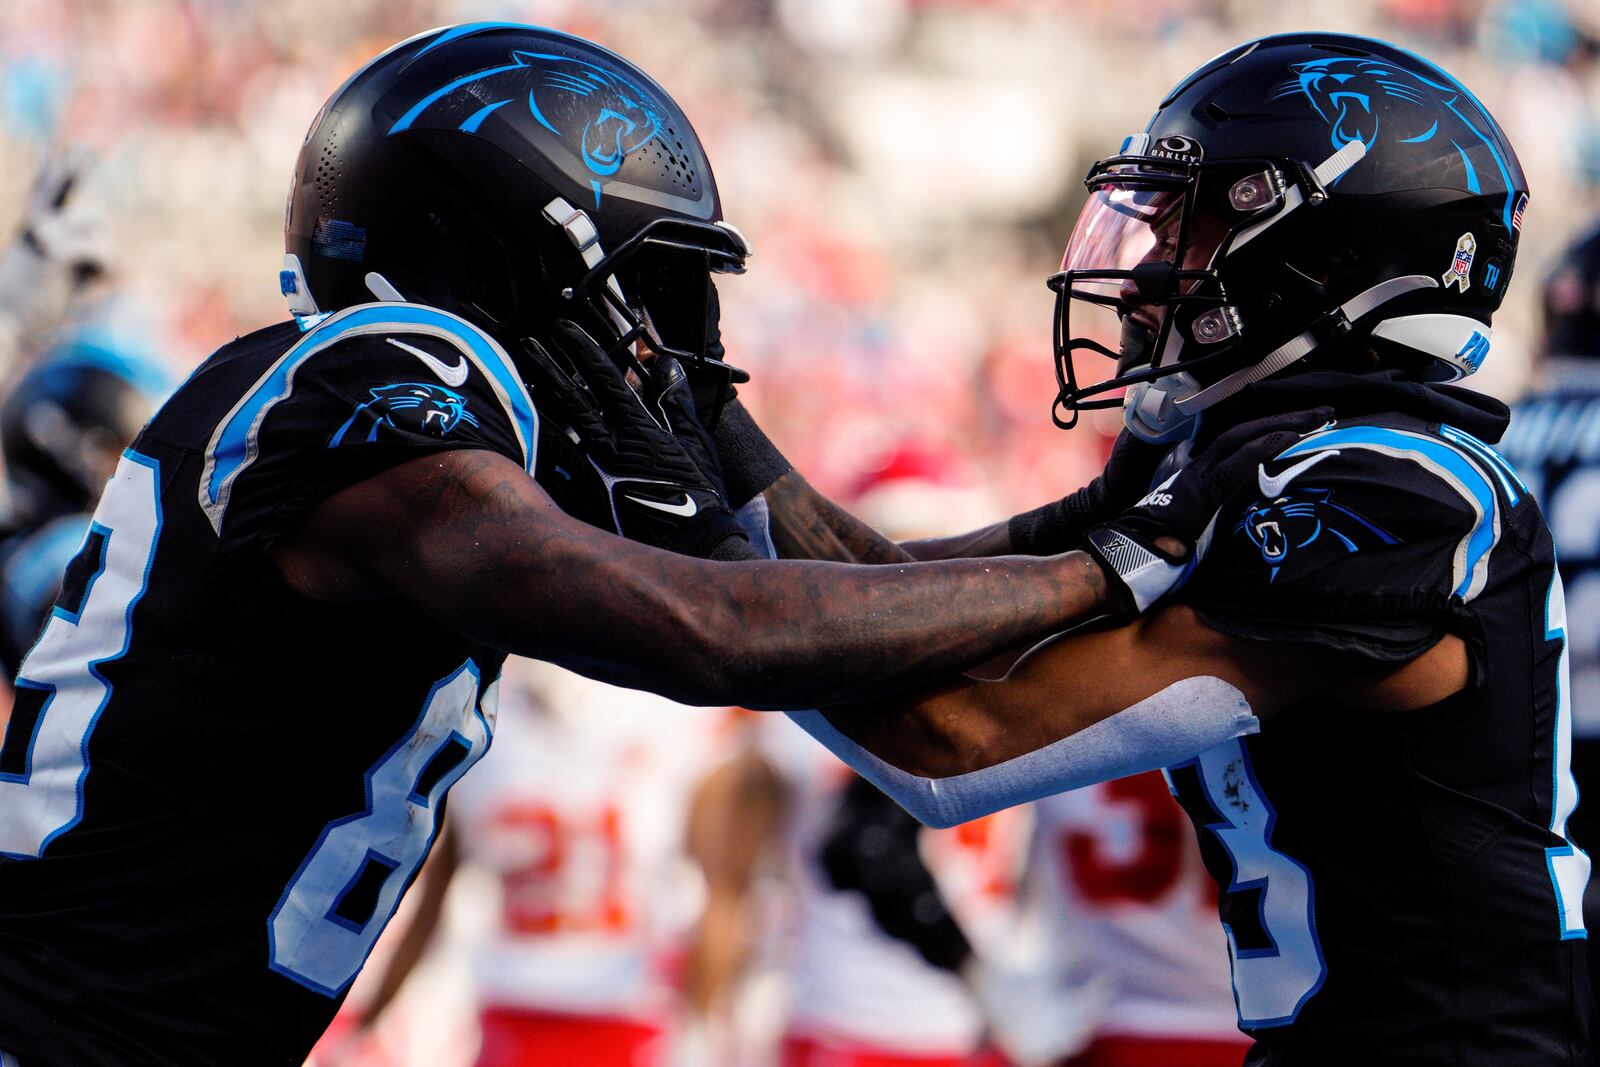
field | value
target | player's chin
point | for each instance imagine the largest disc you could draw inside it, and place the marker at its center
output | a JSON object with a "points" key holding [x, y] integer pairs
{"points": [[1136, 346]]}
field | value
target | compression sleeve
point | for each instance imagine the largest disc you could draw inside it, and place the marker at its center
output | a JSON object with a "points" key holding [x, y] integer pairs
{"points": [[1178, 723]]}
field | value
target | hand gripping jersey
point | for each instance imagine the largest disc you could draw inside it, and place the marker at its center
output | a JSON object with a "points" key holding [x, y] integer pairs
{"points": [[214, 791], [1397, 887]]}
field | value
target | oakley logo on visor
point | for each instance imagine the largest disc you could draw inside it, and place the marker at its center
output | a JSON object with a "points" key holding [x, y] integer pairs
{"points": [[1179, 148]]}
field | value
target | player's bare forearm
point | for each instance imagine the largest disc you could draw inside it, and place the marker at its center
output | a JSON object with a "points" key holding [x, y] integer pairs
{"points": [[1062, 687], [469, 538], [1073, 681], [992, 540], [807, 525]]}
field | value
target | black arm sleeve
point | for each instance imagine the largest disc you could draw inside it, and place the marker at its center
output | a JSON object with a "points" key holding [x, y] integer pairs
{"points": [[871, 848]]}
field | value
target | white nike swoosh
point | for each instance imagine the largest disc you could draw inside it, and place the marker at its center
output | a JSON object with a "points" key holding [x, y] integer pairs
{"points": [[685, 509], [455, 377], [1274, 485]]}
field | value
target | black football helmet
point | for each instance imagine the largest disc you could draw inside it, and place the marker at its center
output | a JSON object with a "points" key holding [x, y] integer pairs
{"points": [[1571, 301], [512, 175], [1309, 199], [65, 422]]}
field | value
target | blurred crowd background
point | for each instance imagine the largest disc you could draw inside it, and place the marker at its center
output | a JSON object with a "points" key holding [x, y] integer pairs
{"points": [[908, 172]]}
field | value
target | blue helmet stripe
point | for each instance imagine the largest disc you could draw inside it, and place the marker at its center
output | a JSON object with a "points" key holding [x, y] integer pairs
{"points": [[469, 28], [405, 121], [476, 118]]}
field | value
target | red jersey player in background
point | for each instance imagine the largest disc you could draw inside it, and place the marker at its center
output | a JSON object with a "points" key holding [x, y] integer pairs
{"points": [[569, 844]]}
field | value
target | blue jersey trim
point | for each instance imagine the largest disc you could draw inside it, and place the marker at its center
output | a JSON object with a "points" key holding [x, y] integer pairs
{"points": [[1507, 475], [1444, 460], [233, 446], [373, 857], [1559, 633], [49, 692], [33, 573], [1234, 886], [72, 615], [456, 738]]}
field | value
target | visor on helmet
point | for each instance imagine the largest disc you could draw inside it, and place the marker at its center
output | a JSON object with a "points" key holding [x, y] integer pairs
{"points": [[1139, 276]]}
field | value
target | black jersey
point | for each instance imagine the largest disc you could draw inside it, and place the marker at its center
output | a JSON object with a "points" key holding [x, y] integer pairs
{"points": [[214, 791], [1397, 888], [32, 560]]}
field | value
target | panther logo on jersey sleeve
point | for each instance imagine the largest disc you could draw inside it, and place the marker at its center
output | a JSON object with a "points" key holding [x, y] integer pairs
{"points": [[1302, 519], [412, 407]]}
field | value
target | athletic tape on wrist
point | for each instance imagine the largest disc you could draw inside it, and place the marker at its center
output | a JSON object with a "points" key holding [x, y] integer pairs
{"points": [[750, 461]]}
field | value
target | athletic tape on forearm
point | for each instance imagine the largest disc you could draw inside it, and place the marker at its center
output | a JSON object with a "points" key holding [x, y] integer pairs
{"points": [[1178, 723], [750, 462]]}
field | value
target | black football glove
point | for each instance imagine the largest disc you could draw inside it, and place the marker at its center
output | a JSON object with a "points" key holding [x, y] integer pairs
{"points": [[871, 847], [712, 380], [653, 458], [1061, 524], [1150, 549]]}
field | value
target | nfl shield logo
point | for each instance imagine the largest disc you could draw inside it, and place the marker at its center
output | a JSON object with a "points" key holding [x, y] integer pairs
{"points": [[1461, 265]]}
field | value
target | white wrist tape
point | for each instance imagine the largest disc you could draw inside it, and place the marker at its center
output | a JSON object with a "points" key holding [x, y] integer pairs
{"points": [[1178, 723]]}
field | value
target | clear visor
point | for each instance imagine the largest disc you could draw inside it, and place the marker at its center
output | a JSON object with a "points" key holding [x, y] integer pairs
{"points": [[1128, 225]]}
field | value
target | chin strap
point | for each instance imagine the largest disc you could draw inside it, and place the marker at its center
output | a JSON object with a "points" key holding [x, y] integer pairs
{"points": [[1298, 348], [585, 237], [1324, 174]]}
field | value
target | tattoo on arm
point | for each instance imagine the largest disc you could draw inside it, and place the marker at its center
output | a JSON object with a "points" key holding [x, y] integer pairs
{"points": [[471, 540], [807, 525]]}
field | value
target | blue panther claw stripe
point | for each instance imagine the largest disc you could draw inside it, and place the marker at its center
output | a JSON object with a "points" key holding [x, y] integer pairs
{"points": [[1343, 90], [617, 115]]}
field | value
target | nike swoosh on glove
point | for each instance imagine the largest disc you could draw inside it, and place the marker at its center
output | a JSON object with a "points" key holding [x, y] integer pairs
{"points": [[1150, 549], [665, 489]]}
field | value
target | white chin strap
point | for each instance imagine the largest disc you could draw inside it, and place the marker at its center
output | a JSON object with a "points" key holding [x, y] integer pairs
{"points": [[585, 237], [1298, 348]]}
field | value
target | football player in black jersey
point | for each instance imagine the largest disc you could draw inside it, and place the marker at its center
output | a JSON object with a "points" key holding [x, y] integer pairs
{"points": [[1329, 218], [277, 646], [1554, 440], [63, 427]]}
